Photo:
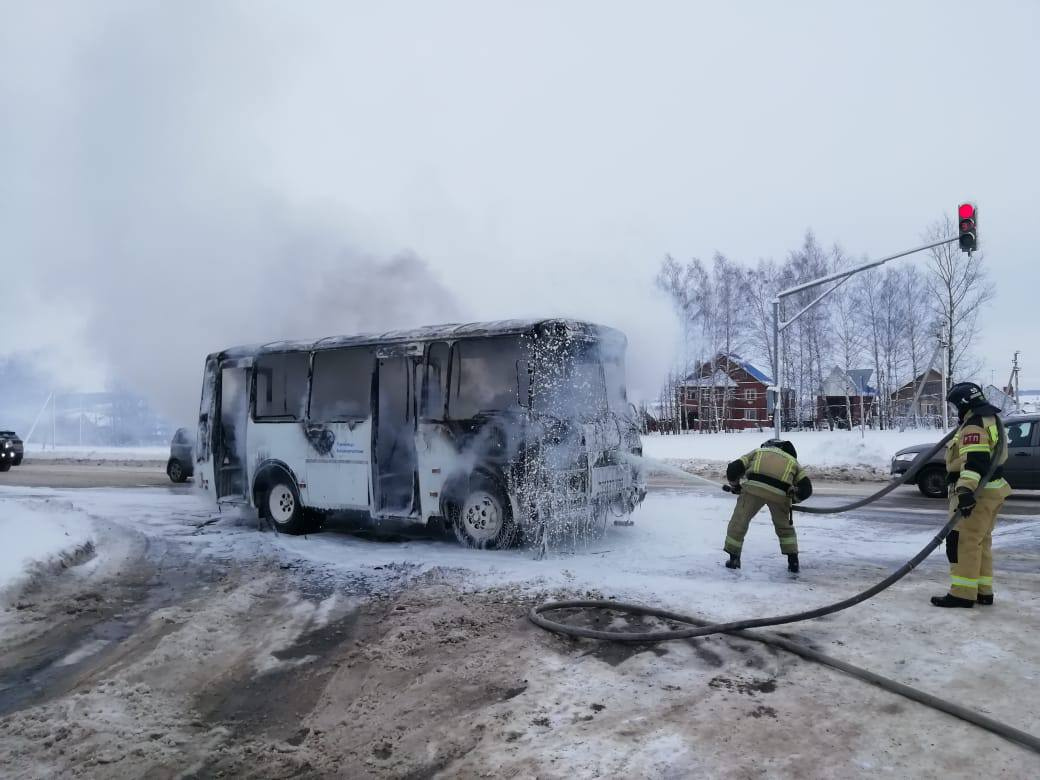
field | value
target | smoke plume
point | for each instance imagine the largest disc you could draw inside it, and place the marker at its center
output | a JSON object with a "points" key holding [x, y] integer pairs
{"points": [[142, 210]]}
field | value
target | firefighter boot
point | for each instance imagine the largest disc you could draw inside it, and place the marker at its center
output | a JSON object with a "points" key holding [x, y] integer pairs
{"points": [[792, 562], [733, 562], [986, 599], [949, 600]]}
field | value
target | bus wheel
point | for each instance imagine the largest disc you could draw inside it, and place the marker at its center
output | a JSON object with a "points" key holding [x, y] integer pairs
{"points": [[281, 505], [484, 519]]}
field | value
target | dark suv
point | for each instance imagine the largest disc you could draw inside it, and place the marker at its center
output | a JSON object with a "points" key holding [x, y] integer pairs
{"points": [[180, 466], [11, 450], [1022, 470]]}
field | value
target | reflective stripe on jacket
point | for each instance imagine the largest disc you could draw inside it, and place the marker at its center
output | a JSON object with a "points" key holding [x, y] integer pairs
{"points": [[977, 436], [771, 472]]}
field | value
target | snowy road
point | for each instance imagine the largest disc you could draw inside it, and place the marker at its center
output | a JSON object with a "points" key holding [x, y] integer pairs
{"points": [[192, 643], [51, 473]]}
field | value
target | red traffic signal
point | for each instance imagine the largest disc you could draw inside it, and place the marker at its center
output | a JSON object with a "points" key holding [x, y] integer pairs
{"points": [[968, 216]]}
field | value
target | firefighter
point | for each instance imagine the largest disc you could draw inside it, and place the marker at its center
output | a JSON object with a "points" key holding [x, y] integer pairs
{"points": [[968, 458], [773, 478]]}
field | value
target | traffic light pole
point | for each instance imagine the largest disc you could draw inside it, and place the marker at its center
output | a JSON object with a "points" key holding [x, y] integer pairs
{"points": [[779, 326]]}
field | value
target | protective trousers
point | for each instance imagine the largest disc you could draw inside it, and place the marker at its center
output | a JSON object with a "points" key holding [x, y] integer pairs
{"points": [[746, 508], [970, 553]]}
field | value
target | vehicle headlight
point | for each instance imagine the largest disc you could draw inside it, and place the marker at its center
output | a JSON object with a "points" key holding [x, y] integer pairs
{"points": [[7, 445], [906, 457]]}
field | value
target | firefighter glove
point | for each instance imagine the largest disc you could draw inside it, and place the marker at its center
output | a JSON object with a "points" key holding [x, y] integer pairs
{"points": [[734, 488], [965, 502]]}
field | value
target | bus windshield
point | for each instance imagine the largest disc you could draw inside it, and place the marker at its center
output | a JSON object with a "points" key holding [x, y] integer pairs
{"points": [[614, 373], [582, 385]]}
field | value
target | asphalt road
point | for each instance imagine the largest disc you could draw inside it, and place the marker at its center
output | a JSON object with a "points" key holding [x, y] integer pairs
{"points": [[87, 474], [902, 505]]}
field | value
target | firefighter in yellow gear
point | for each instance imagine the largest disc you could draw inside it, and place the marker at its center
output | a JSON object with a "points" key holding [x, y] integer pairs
{"points": [[969, 456], [772, 478]]}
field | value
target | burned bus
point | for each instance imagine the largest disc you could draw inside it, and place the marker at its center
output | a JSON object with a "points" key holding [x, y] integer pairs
{"points": [[503, 432]]}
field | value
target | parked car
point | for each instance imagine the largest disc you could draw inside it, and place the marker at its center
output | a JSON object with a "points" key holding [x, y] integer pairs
{"points": [[11, 450], [1022, 470], [180, 465]]}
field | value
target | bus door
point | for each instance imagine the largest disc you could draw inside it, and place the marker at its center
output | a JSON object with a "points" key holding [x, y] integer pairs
{"points": [[436, 450], [393, 442], [339, 463], [228, 429], [204, 435]]}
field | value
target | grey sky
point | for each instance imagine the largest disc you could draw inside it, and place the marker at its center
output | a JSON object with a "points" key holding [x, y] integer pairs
{"points": [[539, 158]]}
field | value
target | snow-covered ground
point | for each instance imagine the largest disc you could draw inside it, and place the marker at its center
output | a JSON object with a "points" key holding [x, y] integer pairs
{"points": [[73, 452], [39, 536], [451, 679], [835, 449]]}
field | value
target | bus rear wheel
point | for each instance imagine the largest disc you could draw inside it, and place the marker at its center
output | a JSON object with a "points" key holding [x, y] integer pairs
{"points": [[281, 506], [484, 518]]}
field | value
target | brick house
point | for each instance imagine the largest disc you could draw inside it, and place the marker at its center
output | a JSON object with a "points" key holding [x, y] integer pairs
{"points": [[725, 393], [929, 404]]}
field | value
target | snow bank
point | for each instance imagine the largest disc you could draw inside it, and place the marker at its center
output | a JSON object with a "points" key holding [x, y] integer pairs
{"points": [[872, 449], [71, 452], [39, 534]]}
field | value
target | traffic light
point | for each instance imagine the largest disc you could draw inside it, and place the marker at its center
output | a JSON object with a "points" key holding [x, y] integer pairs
{"points": [[969, 232]]}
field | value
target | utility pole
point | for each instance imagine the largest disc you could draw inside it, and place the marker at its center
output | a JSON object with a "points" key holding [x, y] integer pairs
{"points": [[839, 278], [36, 420], [943, 345], [1012, 385], [924, 379]]}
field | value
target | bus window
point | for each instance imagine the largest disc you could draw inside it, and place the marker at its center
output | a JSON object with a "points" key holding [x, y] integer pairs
{"points": [[281, 386], [483, 377], [341, 386], [436, 381]]}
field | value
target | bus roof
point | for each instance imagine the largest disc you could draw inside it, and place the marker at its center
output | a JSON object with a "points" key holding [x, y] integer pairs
{"points": [[446, 332]]}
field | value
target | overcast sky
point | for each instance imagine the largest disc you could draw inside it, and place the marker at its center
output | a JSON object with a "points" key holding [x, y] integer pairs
{"points": [[161, 162]]}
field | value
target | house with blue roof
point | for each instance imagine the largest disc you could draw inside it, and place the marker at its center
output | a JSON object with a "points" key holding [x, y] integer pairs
{"points": [[726, 393], [846, 398]]}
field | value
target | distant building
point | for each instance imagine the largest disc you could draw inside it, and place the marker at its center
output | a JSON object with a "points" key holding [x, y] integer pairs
{"points": [[930, 401], [846, 398], [725, 393]]}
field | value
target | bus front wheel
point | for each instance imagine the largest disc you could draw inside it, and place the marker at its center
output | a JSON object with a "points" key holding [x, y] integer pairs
{"points": [[484, 518], [281, 506]]}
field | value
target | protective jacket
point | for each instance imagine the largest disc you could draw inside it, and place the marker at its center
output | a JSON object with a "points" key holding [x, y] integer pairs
{"points": [[971, 452], [771, 474]]}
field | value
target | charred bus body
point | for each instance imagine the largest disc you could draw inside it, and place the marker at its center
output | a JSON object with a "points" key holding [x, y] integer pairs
{"points": [[503, 431]]}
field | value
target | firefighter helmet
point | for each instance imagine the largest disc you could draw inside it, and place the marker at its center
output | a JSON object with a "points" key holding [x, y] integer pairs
{"points": [[783, 445], [965, 396]]}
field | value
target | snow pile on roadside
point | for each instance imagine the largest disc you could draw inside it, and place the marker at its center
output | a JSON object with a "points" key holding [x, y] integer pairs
{"points": [[97, 454], [39, 535], [830, 449]]}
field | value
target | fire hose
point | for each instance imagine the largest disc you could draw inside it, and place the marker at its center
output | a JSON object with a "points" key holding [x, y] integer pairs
{"points": [[699, 627]]}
